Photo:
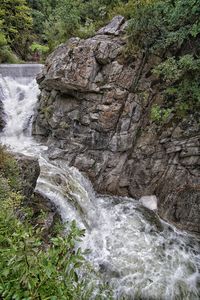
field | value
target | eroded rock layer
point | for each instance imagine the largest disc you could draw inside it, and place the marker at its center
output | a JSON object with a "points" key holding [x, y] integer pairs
{"points": [[94, 111]]}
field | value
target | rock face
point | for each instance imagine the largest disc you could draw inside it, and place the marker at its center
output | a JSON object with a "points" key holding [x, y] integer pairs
{"points": [[29, 170], [94, 112]]}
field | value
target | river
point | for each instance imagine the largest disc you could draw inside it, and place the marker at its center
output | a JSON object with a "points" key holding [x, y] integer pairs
{"points": [[141, 256]]}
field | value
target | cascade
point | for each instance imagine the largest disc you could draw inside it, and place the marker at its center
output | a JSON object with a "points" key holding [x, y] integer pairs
{"points": [[141, 256]]}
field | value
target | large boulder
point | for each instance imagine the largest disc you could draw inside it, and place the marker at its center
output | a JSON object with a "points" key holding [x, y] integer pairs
{"points": [[94, 112]]}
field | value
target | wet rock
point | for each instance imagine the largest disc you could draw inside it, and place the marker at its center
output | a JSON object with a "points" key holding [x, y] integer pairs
{"points": [[108, 270], [182, 207], [2, 117], [29, 172], [151, 217], [44, 215]]}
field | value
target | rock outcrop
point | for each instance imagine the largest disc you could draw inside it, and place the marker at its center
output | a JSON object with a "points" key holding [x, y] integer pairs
{"points": [[94, 112], [44, 212], [29, 171]]}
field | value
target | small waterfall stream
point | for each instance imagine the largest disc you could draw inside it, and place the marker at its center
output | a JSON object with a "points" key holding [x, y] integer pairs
{"points": [[141, 256]]}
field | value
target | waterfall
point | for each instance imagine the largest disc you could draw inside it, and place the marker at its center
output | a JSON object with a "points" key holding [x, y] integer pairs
{"points": [[141, 256], [18, 92], [20, 71]]}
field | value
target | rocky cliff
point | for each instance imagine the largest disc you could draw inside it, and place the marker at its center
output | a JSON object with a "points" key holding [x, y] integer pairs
{"points": [[94, 112]]}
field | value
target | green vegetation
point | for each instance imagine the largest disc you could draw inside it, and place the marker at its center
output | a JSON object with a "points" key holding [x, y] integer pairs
{"points": [[42, 50], [6, 54], [171, 30], [31, 268], [9, 175], [160, 115], [31, 272], [56, 21], [48, 23], [15, 28]]}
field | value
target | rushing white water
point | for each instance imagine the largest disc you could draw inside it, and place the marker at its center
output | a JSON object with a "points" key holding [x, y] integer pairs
{"points": [[138, 254], [18, 93]]}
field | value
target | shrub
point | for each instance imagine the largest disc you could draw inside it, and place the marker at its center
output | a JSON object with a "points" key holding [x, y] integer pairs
{"points": [[182, 78], [160, 115], [28, 271], [9, 170]]}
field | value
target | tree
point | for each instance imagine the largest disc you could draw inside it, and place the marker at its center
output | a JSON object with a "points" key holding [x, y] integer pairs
{"points": [[170, 29], [41, 10], [5, 51], [16, 25]]}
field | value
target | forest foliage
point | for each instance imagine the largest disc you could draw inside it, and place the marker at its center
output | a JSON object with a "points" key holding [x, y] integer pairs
{"points": [[170, 30], [15, 29], [47, 23]]}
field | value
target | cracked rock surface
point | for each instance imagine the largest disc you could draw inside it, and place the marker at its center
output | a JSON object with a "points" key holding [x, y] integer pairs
{"points": [[94, 112]]}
